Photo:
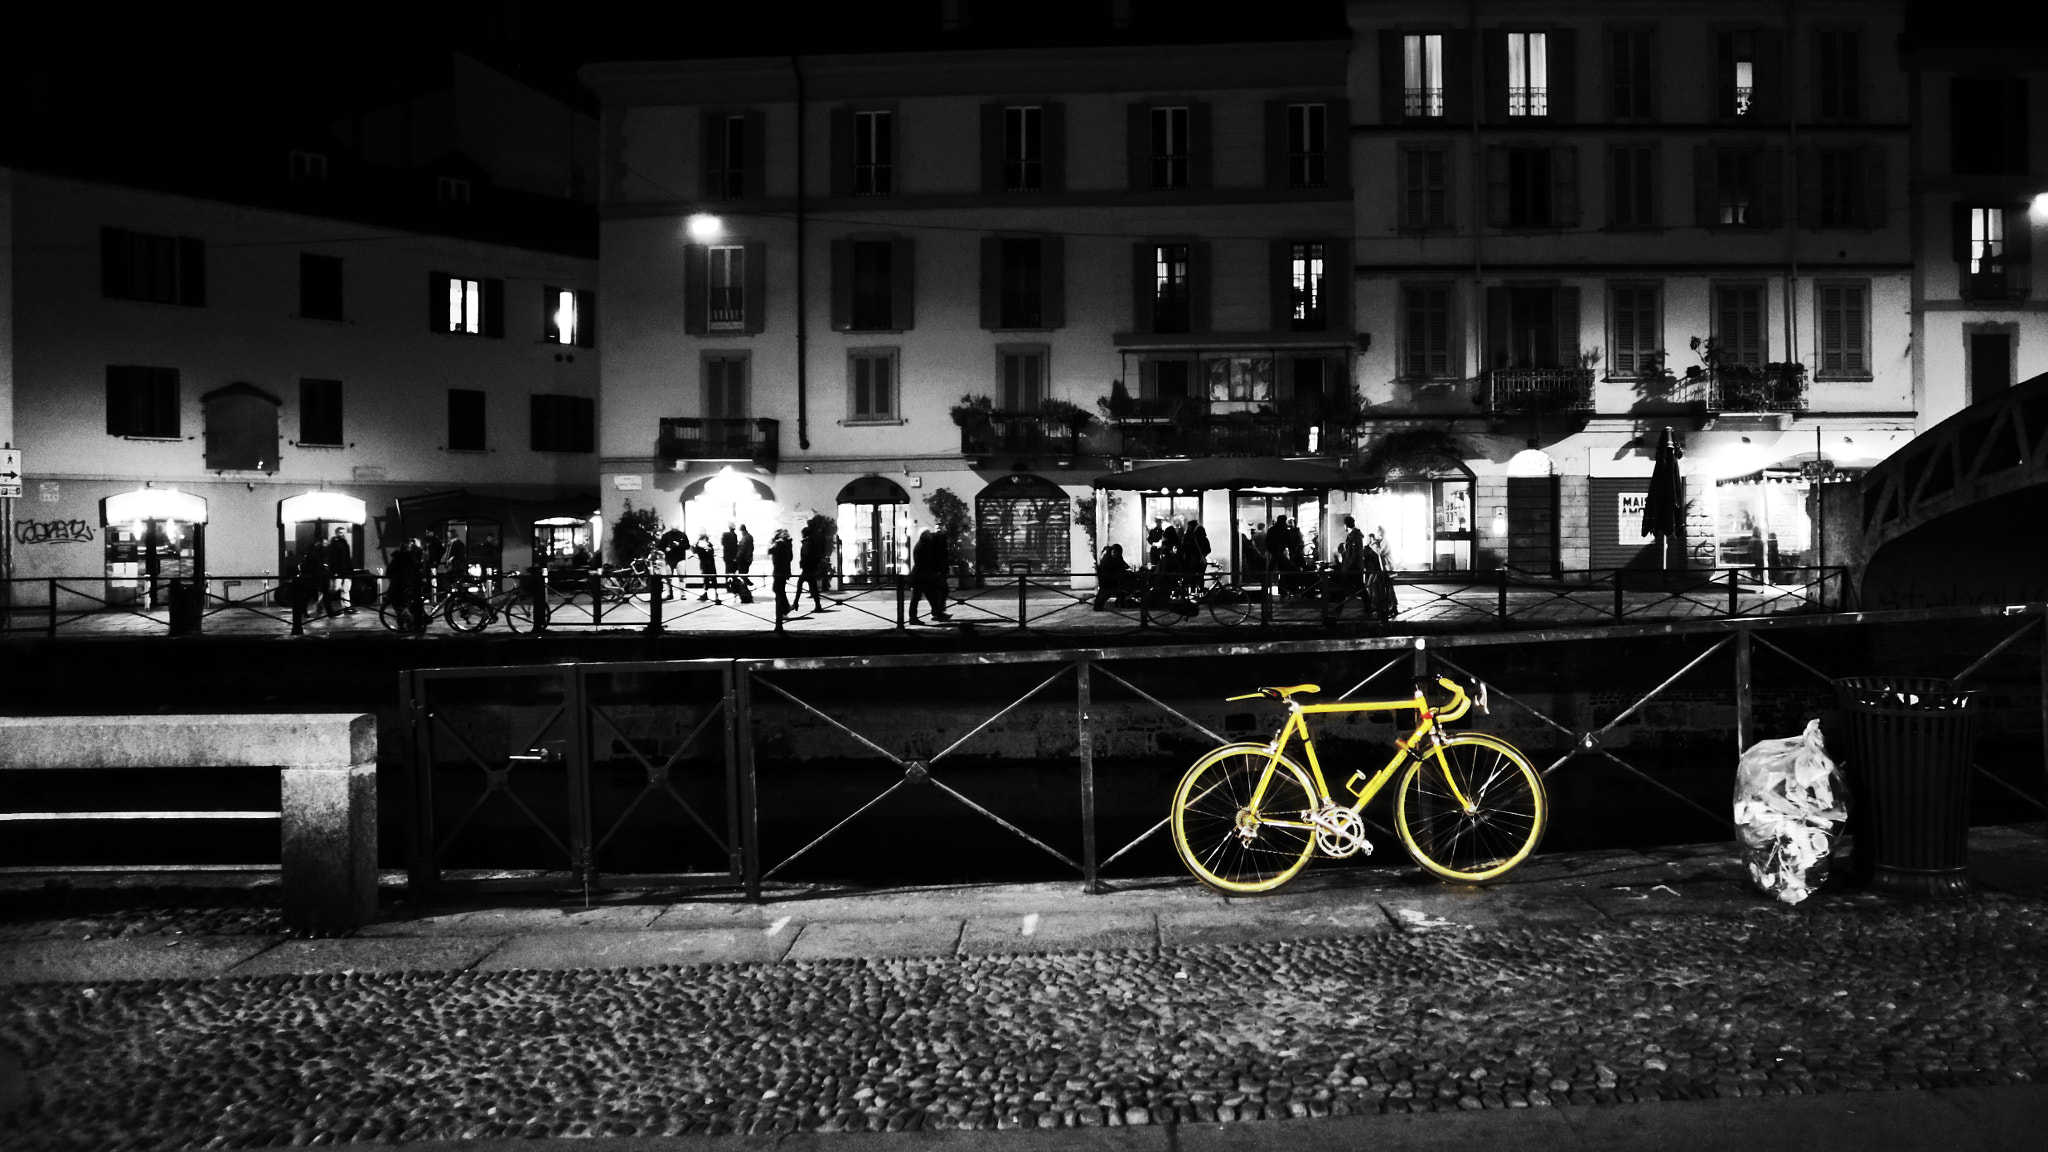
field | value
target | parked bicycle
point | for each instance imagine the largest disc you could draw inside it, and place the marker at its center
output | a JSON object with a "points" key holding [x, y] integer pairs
{"points": [[463, 604], [1469, 808]]}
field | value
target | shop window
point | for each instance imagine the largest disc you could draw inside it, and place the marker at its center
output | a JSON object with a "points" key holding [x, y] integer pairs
{"points": [[142, 402], [563, 423], [569, 316], [466, 306], [154, 269], [1023, 522], [466, 420], [320, 413], [319, 286]]}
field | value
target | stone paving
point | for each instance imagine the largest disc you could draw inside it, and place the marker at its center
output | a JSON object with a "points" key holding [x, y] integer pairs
{"points": [[1591, 979]]}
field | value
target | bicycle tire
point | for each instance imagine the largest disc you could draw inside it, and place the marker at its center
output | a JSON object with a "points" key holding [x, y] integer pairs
{"points": [[1210, 821], [1510, 809], [408, 616], [468, 612], [1231, 604], [520, 615]]}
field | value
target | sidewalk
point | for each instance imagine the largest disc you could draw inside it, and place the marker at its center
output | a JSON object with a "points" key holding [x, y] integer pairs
{"points": [[1358, 1005]]}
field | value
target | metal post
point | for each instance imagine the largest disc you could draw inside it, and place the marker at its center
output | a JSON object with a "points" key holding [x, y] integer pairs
{"points": [[422, 870], [1734, 593], [739, 704], [654, 590], [1501, 578], [1021, 585], [902, 621], [1744, 694], [53, 609], [2042, 696], [1618, 574], [581, 856], [1421, 665], [1091, 877]]}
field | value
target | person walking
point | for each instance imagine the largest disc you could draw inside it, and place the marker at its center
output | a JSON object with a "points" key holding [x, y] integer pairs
{"points": [[928, 574], [780, 551], [746, 556], [312, 583], [1194, 555], [431, 550], [811, 559], [729, 549], [456, 560], [674, 548], [403, 575], [1379, 562], [1351, 557], [341, 568], [707, 567]]}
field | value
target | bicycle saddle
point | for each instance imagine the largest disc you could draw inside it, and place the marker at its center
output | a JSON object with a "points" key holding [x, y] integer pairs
{"points": [[1284, 693]]}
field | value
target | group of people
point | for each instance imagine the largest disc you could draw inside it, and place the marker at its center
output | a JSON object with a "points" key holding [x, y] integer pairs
{"points": [[1363, 564], [320, 578], [735, 547]]}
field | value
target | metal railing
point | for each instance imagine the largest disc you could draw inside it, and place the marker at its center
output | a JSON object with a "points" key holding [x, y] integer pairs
{"points": [[754, 438], [1524, 390], [810, 745], [1241, 434]]}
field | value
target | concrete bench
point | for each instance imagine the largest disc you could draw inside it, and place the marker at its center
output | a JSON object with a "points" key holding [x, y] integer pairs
{"points": [[327, 763]]}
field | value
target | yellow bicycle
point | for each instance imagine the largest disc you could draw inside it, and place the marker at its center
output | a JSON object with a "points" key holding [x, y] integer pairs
{"points": [[1469, 807]]}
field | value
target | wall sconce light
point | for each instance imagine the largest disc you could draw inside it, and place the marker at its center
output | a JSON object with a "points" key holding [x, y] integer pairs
{"points": [[1500, 520]]}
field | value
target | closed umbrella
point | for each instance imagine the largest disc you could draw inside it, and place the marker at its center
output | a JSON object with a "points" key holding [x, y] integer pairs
{"points": [[1664, 511]]}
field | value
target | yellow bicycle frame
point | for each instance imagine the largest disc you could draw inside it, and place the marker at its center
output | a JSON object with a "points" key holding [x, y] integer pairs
{"points": [[1426, 723]]}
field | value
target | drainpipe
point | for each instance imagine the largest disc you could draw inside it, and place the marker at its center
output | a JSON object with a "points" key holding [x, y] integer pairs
{"points": [[803, 406], [1792, 233], [1475, 98]]}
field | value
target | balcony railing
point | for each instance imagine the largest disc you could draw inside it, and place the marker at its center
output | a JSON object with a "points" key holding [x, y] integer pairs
{"points": [[1755, 391], [1422, 101], [1528, 390], [2009, 284], [1237, 434], [751, 438], [1014, 432]]}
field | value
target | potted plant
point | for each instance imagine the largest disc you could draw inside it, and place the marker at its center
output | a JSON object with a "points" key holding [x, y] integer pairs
{"points": [[1071, 416], [976, 417]]}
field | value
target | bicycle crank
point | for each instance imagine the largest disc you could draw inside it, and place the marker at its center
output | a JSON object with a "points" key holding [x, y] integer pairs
{"points": [[1339, 832]]}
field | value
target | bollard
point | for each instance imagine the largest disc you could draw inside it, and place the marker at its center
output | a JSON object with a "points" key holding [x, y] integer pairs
{"points": [[654, 590]]}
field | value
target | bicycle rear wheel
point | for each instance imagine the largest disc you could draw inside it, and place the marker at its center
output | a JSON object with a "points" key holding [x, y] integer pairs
{"points": [[403, 615], [1509, 809], [519, 614], [1222, 840], [1232, 603], [468, 612]]}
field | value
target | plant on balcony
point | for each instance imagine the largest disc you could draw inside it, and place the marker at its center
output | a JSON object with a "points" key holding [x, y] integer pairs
{"points": [[976, 417], [1118, 405], [1069, 415], [1775, 387]]}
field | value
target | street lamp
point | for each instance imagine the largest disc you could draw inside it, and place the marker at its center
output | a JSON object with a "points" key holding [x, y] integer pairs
{"points": [[703, 227]]}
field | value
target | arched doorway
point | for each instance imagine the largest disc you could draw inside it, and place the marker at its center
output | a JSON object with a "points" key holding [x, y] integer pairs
{"points": [[709, 503], [1023, 521], [152, 535], [313, 518], [874, 527]]}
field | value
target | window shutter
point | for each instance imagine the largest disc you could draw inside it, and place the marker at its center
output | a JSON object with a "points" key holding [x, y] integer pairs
{"points": [[1496, 186], [1494, 47], [1562, 46], [119, 390], [993, 124], [548, 328], [1280, 270], [902, 284], [1392, 80], [114, 265], [1336, 143], [842, 285], [1142, 287], [1337, 285], [1138, 145], [711, 137], [1052, 279], [1052, 144], [1199, 278], [1855, 329], [437, 301], [1770, 74], [1276, 144], [2019, 238], [1623, 360], [1496, 328], [1415, 341], [842, 152], [696, 282], [991, 282], [1872, 202], [191, 272], [494, 308], [1705, 195], [1770, 185], [1655, 179], [1457, 77], [1568, 327], [1831, 359], [1200, 154], [1806, 212], [755, 286], [754, 160], [714, 388], [1959, 237], [586, 319], [1564, 185]]}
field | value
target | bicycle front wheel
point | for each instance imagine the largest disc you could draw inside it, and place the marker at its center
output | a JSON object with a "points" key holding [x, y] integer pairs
{"points": [[1232, 603], [1509, 809], [1228, 844], [468, 612], [520, 615]]}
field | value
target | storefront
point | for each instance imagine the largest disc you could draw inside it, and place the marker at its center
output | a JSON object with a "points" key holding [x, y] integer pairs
{"points": [[1023, 522], [1771, 518], [1246, 490], [727, 498], [1254, 511], [875, 530], [558, 539], [311, 519], [1427, 519], [152, 536]]}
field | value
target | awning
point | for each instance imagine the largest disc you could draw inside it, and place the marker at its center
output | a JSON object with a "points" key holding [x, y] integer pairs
{"points": [[152, 504], [1800, 466], [1229, 473]]}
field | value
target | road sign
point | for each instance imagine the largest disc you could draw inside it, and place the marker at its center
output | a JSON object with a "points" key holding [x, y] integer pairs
{"points": [[10, 473]]}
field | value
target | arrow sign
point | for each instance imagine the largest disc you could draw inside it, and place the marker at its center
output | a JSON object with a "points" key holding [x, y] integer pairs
{"points": [[10, 473]]}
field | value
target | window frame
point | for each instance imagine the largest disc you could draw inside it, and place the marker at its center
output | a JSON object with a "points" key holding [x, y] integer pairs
{"points": [[715, 389], [1040, 356], [145, 402], [1640, 81], [314, 290], [321, 401], [1995, 147], [1011, 292], [1763, 316], [1732, 99], [1821, 371], [561, 423], [875, 176], [1652, 333], [890, 355], [874, 309], [459, 401], [1416, 344], [1530, 49], [1423, 100], [1163, 279], [1837, 99], [1840, 201], [1443, 219], [1171, 170], [1645, 173], [1308, 290], [1530, 187], [1023, 156], [1308, 126], [1746, 161], [722, 259], [151, 268], [490, 305]]}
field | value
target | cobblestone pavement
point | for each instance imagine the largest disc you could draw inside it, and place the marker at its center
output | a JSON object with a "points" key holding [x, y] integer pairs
{"points": [[1438, 1001]]}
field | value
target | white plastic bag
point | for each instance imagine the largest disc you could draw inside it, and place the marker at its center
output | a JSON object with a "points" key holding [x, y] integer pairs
{"points": [[1789, 804]]}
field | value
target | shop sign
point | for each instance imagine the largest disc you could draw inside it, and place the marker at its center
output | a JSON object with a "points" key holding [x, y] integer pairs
{"points": [[49, 491], [1632, 507], [10, 473], [626, 483]]}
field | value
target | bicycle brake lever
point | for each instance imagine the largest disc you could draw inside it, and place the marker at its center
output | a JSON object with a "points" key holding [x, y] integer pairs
{"points": [[1482, 698]]}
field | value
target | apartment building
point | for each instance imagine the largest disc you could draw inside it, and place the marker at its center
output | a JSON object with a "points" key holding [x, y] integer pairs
{"points": [[840, 284], [1581, 224], [233, 348]]}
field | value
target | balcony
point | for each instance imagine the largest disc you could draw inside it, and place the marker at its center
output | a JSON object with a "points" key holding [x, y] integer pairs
{"points": [[1754, 390], [1233, 434], [2010, 284], [1014, 433], [1533, 391], [748, 438]]}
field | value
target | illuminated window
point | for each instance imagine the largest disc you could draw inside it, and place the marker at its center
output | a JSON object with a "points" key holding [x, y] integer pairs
{"points": [[1023, 149], [1528, 74], [1307, 304], [465, 306], [1170, 147], [468, 306], [1737, 72], [1422, 75], [1987, 241], [1170, 297], [726, 287], [571, 316]]}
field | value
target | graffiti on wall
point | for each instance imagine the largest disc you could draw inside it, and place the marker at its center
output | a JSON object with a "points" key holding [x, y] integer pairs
{"points": [[53, 532]]}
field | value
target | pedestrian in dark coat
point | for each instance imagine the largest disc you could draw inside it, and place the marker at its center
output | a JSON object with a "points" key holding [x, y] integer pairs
{"points": [[312, 586], [430, 560], [780, 552], [457, 562], [403, 574], [928, 574], [729, 548], [811, 558], [1112, 577], [341, 566], [707, 566], [746, 553]]}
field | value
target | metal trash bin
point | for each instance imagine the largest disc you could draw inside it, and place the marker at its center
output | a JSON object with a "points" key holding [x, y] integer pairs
{"points": [[1908, 760], [187, 606]]}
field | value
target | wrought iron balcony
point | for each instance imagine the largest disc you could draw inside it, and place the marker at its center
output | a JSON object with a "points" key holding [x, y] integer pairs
{"points": [[2009, 284], [1235, 434], [1515, 391], [1752, 390], [751, 438], [1020, 433]]}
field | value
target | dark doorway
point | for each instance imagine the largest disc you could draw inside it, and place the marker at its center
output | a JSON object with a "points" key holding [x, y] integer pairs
{"points": [[1532, 525], [1990, 364]]}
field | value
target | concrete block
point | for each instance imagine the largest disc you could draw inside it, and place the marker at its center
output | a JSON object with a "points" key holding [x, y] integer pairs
{"points": [[285, 740], [328, 837]]}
